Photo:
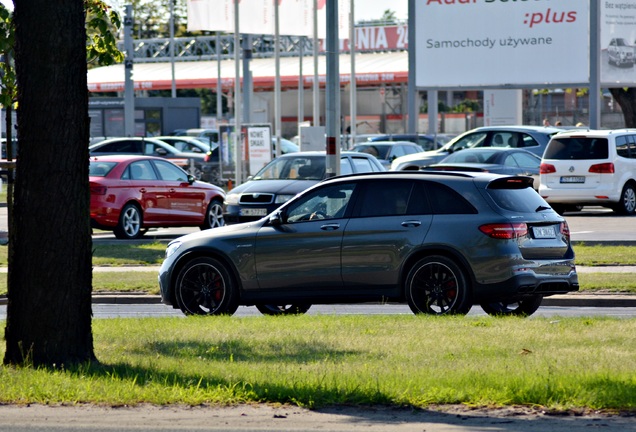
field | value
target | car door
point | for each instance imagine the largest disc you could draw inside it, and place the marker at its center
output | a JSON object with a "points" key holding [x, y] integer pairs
{"points": [[304, 251], [391, 218], [186, 202], [152, 194]]}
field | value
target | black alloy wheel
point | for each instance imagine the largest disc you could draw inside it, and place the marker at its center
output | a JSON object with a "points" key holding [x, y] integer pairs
{"points": [[522, 307], [436, 285], [205, 287]]}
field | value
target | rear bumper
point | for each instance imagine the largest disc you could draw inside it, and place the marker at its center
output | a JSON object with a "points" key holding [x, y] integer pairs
{"points": [[526, 281]]}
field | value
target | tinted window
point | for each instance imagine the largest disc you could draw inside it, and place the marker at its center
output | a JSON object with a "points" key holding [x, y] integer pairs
{"points": [[100, 169], [522, 160], [472, 140], [622, 148], [385, 198], [577, 148], [525, 200], [141, 170], [169, 172], [325, 203], [444, 200], [120, 147]]}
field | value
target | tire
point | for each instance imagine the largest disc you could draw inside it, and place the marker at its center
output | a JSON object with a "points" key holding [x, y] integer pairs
{"points": [[291, 309], [436, 285], [523, 308], [130, 223], [213, 215], [205, 287], [627, 203]]}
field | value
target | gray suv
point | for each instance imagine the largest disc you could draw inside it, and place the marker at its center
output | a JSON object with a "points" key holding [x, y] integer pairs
{"points": [[441, 242]]}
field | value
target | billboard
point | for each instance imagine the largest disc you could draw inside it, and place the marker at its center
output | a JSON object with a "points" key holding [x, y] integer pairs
{"points": [[618, 43], [501, 43], [296, 17]]}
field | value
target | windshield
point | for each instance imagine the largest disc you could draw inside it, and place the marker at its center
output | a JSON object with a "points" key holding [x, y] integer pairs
{"points": [[380, 151], [293, 168]]}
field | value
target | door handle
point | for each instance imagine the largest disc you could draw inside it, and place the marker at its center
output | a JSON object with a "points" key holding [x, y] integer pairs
{"points": [[411, 223], [172, 190], [330, 227], [142, 190]]}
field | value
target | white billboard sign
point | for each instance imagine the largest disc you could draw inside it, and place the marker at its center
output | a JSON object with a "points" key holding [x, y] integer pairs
{"points": [[296, 17], [259, 147], [495, 43], [618, 43]]}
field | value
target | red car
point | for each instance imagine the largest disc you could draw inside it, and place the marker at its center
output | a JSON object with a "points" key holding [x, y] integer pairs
{"points": [[130, 194]]}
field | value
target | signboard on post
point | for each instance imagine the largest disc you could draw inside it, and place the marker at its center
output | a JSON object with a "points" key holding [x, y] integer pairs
{"points": [[259, 147], [312, 138], [503, 107]]}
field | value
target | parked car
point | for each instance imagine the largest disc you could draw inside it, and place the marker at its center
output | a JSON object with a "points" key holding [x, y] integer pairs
{"points": [[130, 194], [208, 135], [193, 163], [425, 141], [286, 146], [620, 53], [531, 138], [283, 178], [210, 150], [498, 160], [592, 167], [387, 151], [440, 242]]}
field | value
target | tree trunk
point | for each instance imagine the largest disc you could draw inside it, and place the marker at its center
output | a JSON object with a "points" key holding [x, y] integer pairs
{"points": [[50, 271], [626, 98]]}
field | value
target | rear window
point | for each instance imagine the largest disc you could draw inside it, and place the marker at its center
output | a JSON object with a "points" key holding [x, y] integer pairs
{"points": [[517, 199], [100, 169], [577, 148]]}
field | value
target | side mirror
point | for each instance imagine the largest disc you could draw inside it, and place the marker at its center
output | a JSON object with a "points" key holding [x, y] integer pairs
{"points": [[277, 218], [191, 178], [161, 151]]}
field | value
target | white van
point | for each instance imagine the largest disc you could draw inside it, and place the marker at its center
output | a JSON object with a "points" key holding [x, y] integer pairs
{"points": [[591, 167]]}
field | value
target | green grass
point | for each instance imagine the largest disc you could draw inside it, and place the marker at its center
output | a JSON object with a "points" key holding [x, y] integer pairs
{"points": [[313, 361], [598, 255]]}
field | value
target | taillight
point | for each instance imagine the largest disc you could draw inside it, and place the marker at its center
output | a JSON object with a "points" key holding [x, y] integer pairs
{"points": [[545, 168], [505, 230], [98, 190], [565, 230], [604, 168]]}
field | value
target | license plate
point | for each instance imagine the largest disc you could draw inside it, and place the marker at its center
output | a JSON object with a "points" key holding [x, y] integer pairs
{"points": [[545, 232], [572, 179], [253, 212]]}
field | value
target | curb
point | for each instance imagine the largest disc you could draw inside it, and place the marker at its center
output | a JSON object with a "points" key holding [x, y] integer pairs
{"points": [[572, 300]]}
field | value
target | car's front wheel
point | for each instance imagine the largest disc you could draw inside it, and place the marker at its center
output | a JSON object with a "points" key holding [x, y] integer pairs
{"points": [[214, 215], [130, 222], [523, 307], [436, 285], [205, 287], [290, 309], [627, 203]]}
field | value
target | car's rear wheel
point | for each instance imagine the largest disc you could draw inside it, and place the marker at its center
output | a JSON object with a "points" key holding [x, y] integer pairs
{"points": [[522, 307], [290, 309], [627, 204], [214, 215], [205, 287], [130, 221], [436, 285]]}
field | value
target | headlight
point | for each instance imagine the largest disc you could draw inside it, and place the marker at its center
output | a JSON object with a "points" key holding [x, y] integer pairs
{"points": [[172, 248], [281, 199], [232, 199]]}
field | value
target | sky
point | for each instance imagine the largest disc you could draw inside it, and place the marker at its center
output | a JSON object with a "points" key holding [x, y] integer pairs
{"points": [[363, 9]]}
